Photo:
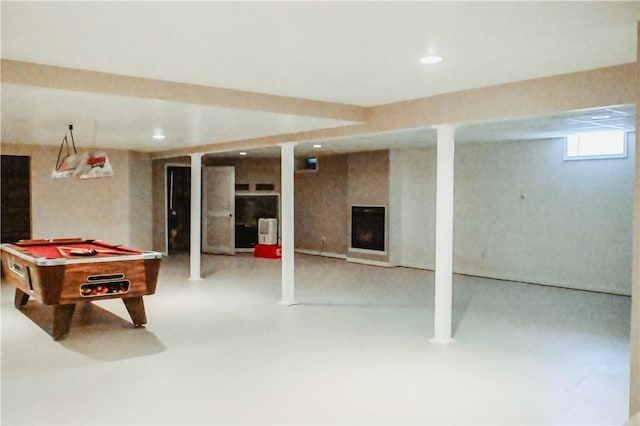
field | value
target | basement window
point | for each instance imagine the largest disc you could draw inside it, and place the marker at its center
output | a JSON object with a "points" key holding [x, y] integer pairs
{"points": [[596, 145]]}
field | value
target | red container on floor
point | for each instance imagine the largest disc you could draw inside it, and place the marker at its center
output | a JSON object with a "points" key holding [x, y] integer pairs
{"points": [[268, 251]]}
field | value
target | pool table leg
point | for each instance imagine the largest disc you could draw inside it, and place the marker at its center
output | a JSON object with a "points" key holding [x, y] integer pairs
{"points": [[135, 306], [20, 299], [62, 315]]}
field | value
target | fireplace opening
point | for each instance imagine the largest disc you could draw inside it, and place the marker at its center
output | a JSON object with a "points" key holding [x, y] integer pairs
{"points": [[368, 228]]}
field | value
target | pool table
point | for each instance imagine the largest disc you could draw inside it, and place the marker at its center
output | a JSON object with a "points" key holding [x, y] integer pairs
{"points": [[64, 272]]}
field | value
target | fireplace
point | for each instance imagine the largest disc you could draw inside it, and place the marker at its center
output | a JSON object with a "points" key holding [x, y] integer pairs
{"points": [[368, 228]]}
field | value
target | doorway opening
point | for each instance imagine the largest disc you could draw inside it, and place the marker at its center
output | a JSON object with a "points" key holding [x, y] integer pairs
{"points": [[15, 198], [249, 209], [178, 208]]}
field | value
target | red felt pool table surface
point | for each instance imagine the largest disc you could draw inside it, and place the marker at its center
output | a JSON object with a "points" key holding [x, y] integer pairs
{"points": [[54, 249]]}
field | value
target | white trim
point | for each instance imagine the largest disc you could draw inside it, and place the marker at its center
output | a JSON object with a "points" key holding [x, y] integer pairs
{"points": [[417, 266], [515, 279], [566, 285], [368, 251], [369, 205], [242, 192], [369, 262], [322, 253], [386, 230]]}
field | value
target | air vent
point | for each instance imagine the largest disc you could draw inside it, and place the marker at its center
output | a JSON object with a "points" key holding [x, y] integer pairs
{"points": [[265, 187]]}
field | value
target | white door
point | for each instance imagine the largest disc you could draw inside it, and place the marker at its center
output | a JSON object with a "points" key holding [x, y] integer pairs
{"points": [[218, 210]]}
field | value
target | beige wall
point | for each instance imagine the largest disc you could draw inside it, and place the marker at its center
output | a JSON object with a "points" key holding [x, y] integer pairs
{"points": [[321, 207], [416, 171], [116, 209], [251, 170], [248, 170], [323, 201], [524, 214], [322, 198], [368, 176], [140, 200]]}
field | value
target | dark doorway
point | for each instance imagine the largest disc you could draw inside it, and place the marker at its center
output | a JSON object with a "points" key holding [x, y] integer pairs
{"points": [[15, 198], [250, 208], [178, 208]]}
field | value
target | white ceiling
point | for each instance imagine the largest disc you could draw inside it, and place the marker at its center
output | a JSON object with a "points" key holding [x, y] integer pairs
{"points": [[360, 53]]}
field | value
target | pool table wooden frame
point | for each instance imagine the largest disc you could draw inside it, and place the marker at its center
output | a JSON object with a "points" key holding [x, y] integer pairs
{"points": [[59, 281]]}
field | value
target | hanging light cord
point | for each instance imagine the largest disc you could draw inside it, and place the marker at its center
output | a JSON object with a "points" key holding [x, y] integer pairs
{"points": [[73, 142], [65, 143]]}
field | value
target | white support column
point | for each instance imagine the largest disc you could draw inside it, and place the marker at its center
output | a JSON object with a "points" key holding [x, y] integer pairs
{"points": [[444, 236], [196, 216], [287, 171]]}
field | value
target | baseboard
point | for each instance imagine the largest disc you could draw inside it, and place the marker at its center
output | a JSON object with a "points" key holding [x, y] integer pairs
{"points": [[344, 257], [593, 289], [321, 253], [370, 262], [416, 266], [459, 272], [501, 277]]}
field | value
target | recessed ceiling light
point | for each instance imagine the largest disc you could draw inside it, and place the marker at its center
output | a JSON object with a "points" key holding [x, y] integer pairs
{"points": [[243, 153], [158, 135], [317, 145], [430, 59]]}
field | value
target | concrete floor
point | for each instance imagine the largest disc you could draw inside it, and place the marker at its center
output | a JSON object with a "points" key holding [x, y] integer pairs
{"points": [[354, 351]]}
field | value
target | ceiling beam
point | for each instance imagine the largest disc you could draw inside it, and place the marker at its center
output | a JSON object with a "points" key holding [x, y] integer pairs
{"points": [[611, 86], [595, 88], [54, 77]]}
